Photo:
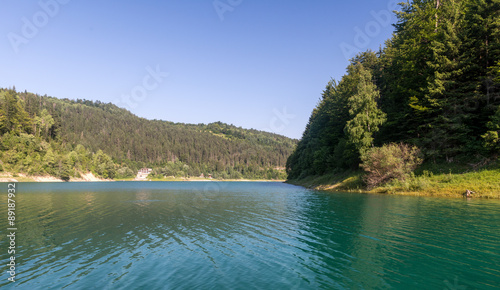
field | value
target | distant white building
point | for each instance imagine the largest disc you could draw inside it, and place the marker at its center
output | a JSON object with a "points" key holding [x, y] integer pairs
{"points": [[203, 176], [145, 170], [143, 173]]}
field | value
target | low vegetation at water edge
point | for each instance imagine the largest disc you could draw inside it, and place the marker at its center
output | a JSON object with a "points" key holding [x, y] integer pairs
{"points": [[442, 180]]}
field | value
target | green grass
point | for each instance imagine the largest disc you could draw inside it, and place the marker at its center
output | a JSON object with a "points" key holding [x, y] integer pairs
{"points": [[346, 181], [484, 182]]}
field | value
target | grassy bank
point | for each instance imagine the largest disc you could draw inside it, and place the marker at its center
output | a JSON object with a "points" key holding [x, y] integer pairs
{"points": [[428, 181]]}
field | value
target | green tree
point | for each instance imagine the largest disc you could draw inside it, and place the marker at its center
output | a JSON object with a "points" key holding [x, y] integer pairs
{"points": [[15, 119], [43, 123], [3, 119], [103, 166], [435, 84], [366, 117], [405, 71], [64, 169], [49, 161], [492, 137], [323, 147], [125, 172]]}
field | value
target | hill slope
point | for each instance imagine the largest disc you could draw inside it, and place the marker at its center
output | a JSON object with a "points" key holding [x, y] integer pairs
{"points": [[130, 142]]}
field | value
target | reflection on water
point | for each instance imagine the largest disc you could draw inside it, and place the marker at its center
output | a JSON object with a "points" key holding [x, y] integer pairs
{"points": [[248, 235]]}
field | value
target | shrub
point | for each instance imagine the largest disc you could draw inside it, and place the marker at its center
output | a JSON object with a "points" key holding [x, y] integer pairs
{"points": [[64, 175], [125, 172], [391, 161]]}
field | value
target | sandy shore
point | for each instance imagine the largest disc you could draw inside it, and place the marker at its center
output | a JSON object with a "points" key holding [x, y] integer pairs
{"points": [[8, 177], [89, 177], [46, 179], [8, 180]]}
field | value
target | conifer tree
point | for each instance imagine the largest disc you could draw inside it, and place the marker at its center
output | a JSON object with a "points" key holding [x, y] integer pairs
{"points": [[16, 120], [366, 117]]}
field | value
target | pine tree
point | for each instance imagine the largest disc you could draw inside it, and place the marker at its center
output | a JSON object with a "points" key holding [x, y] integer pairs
{"points": [[439, 84], [443, 131], [366, 117], [481, 52], [406, 71], [15, 119]]}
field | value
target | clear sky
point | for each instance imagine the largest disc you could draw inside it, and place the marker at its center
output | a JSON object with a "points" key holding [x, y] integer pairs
{"points": [[259, 64]]}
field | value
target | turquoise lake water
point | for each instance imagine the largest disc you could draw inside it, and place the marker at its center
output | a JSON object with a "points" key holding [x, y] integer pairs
{"points": [[245, 235]]}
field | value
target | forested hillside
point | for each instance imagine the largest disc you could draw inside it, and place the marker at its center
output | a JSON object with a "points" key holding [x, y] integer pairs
{"points": [[435, 85], [45, 135]]}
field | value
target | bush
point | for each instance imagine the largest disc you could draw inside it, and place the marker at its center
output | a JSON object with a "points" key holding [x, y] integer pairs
{"points": [[125, 172], [391, 161], [64, 175]]}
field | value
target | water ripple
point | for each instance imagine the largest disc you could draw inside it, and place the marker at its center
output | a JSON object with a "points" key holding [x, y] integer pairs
{"points": [[249, 236]]}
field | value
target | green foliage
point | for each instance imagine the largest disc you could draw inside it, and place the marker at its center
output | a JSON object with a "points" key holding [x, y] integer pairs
{"points": [[43, 123], [325, 146], [103, 166], [365, 114], [484, 183], [64, 170], [435, 85], [125, 172], [492, 138], [44, 135], [49, 161], [13, 117], [391, 161]]}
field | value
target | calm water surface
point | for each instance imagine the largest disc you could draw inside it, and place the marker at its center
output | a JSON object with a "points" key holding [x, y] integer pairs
{"points": [[246, 235]]}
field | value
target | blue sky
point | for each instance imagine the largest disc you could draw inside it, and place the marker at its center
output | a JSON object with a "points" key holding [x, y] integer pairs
{"points": [[256, 64]]}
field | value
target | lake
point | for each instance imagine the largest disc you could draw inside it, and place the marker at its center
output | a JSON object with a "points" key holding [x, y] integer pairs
{"points": [[245, 235]]}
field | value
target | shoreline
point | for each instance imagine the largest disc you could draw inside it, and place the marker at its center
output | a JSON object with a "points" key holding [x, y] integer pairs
{"points": [[485, 184], [55, 180], [21, 177], [89, 177]]}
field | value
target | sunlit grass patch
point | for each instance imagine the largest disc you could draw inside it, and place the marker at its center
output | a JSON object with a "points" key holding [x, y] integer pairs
{"points": [[485, 183]]}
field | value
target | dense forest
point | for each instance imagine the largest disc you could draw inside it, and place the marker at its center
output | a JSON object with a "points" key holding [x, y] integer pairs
{"points": [[43, 135], [435, 86]]}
